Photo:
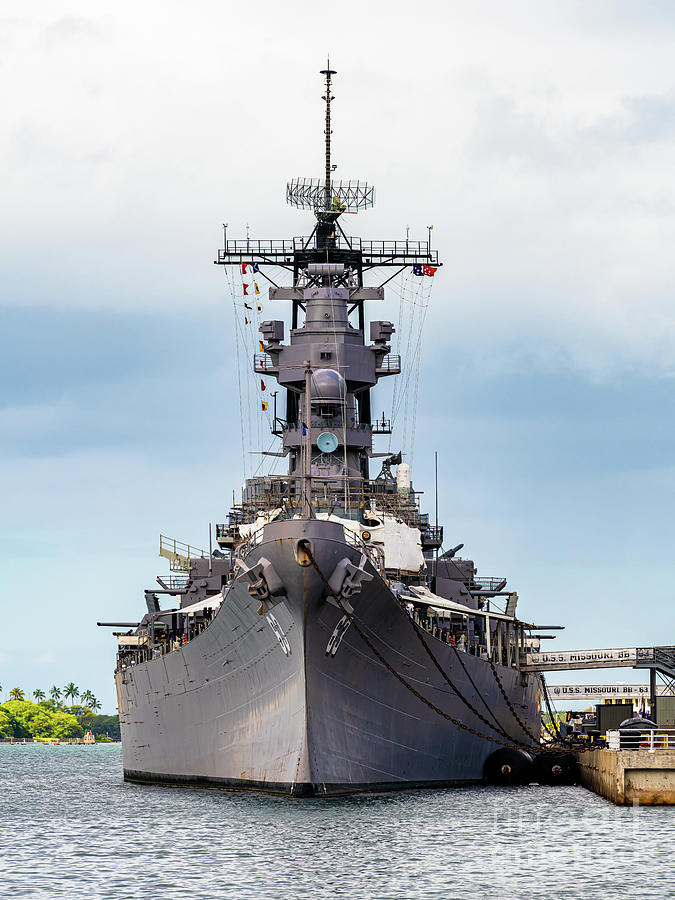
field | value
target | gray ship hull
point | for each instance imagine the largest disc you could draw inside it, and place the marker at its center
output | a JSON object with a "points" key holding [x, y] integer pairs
{"points": [[293, 702]]}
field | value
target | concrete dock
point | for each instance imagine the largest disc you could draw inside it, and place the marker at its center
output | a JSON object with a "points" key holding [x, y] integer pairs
{"points": [[629, 776]]}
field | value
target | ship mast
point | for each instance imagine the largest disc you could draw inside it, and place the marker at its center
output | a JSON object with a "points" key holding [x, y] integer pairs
{"points": [[306, 446], [328, 72], [328, 437]]}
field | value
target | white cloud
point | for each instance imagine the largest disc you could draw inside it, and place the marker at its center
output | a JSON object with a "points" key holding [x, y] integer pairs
{"points": [[536, 138]]}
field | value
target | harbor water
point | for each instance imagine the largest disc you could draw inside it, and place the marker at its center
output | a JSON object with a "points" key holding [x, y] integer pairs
{"points": [[70, 827]]}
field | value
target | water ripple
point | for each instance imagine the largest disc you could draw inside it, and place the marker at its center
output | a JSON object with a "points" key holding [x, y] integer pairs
{"points": [[71, 828]]}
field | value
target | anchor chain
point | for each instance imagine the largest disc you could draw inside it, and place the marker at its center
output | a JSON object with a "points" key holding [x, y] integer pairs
{"points": [[458, 656], [508, 702], [446, 677], [432, 706]]}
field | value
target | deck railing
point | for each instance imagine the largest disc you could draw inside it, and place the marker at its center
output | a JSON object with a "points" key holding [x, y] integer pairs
{"points": [[649, 739], [374, 553], [178, 553], [390, 363], [488, 584]]}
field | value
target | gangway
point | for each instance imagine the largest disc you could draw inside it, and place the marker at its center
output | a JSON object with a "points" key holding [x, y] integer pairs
{"points": [[600, 692], [659, 660], [568, 660]]}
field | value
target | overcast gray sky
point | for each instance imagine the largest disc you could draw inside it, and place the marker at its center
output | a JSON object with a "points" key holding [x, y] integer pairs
{"points": [[537, 138]]}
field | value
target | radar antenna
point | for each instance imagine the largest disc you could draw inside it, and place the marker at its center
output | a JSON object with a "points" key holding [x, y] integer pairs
{"points": [[329, 198]]}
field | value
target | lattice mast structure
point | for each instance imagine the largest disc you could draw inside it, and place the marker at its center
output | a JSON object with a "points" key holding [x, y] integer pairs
{"points": [[328, 97]]}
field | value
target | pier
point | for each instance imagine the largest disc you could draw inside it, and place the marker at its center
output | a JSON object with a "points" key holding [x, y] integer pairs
{"points": [[638, 765], [627, 777]]}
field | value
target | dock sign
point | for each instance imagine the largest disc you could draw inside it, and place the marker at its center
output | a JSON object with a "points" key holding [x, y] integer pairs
{"points": [[597, 691], [581, 659]]}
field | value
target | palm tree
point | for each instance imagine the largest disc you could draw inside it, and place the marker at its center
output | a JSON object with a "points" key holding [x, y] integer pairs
{"points": [[86, 697], [95, 704], [55, 693], [71, 690], [17, 694], [38, 694]]}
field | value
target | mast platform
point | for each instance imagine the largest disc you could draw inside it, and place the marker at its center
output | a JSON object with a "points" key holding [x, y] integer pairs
{"points": [[348, 250]]}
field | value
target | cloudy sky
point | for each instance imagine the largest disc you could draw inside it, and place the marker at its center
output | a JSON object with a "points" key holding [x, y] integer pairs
{"points": [[537, 138]]}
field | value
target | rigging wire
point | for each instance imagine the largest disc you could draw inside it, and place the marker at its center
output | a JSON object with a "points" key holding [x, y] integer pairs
{"points": [[263, 457], [236, 341], [399, 335], [551, 710], [247, 385], [413, 426], [414, 300], [247, 379], [249, 374]]}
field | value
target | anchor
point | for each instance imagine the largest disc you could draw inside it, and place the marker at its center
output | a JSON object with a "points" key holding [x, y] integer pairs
{"points": [[346, 581], [265, 585]]}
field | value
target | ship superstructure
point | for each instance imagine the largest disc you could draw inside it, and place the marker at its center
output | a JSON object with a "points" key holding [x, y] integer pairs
{"points": [[329, 644]]}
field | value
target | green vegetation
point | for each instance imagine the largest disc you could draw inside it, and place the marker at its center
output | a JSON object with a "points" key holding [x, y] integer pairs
{"points": [[20, 718], [98, 725], [71, 691], [6, 726], [23, 719]]}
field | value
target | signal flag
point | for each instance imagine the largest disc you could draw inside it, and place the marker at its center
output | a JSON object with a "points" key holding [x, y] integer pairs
{"points": [[425, 270]]}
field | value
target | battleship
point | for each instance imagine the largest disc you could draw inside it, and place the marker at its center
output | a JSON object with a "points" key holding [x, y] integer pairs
{"points": [[328, 643]]}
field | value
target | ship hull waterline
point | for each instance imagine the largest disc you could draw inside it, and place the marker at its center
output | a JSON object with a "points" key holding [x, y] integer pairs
{"points": [[294, 702]]}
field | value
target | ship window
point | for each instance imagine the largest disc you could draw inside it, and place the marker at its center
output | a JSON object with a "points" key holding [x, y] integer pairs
{"points": [[326, 355]]}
